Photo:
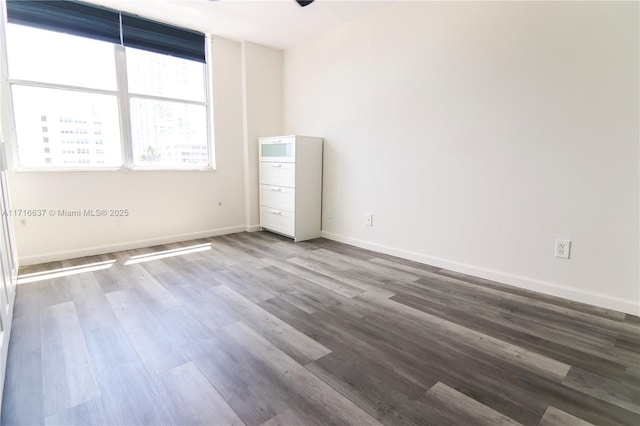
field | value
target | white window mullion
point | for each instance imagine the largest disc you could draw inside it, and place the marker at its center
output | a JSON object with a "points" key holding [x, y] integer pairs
{"points": [[47, 85], [209, 99], [124, 107]]}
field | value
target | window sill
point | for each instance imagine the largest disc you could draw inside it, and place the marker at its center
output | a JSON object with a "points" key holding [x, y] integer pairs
{"points": [[108, 169]]}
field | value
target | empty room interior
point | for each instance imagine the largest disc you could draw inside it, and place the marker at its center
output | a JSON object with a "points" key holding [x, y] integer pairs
{"points": [[329, 212]]}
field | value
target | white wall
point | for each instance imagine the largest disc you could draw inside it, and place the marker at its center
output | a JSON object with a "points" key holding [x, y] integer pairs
{"points": [[262, 94], [478, 133], [164, 206]]}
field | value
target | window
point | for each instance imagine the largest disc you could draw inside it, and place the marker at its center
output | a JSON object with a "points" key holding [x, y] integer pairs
{"points": [[29, 101], [167, 105], [144, 104]]}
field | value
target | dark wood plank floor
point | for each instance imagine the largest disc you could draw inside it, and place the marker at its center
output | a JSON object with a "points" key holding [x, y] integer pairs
{"points": [[254, 329]]}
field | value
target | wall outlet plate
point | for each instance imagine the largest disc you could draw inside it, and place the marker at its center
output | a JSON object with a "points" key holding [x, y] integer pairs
{"points": [[563, 248], [368, 220]]}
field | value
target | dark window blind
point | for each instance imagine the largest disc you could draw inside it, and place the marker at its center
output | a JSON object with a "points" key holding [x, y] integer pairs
{"points": [[85, 20], [145, 34], [67, 17]]}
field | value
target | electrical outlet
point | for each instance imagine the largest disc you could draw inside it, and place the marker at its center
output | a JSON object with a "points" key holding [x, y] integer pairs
{"points": [[563, 248], [330, 213], [368, 221]]}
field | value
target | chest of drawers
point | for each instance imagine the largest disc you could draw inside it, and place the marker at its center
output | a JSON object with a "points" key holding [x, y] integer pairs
{"points": [[291, 185]]}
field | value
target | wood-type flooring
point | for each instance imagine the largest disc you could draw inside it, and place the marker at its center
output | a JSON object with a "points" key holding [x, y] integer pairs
{"points": [[254, 329]]}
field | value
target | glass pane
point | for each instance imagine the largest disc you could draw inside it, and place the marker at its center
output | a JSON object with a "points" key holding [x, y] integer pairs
{"points": [[52, 57], [63, 128], [276, 150], [162, 75], [169, 134]]}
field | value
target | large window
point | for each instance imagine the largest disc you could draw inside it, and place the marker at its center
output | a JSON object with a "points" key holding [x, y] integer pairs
{"points": [[82, 102]]}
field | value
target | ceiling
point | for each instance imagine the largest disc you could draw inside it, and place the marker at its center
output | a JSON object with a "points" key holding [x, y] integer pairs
{"points": [[276, 23]]}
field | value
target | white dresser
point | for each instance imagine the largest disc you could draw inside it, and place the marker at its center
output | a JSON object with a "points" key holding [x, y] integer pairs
{"points": [[291, 185]]}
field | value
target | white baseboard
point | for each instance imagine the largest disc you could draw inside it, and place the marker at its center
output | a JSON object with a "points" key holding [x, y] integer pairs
{"points": [[128, 245], [253, 228], [553, 289]]}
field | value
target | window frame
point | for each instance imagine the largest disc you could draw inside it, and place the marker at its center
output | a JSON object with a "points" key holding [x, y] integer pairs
{"points": [[123, 97]]}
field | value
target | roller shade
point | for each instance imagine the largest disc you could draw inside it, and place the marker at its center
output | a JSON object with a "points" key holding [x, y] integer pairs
{"points": [[69, 17], [142, 33], [96, 22]]}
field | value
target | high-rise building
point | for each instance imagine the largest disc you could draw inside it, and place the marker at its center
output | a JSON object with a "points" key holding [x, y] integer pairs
{"points": [[71, 141]]}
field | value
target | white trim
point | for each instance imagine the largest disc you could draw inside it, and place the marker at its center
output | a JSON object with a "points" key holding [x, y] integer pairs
{"points": [[208, 85], [124, 112], [109, 169], [110, 248], [553, 289], [245, 135], [57, 86], [167, 169], [7, 122], [165, 99], [253, 228]]}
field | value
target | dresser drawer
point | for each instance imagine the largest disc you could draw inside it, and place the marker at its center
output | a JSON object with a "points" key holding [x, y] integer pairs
{"points": [[278, 197], [277, 220], [279, 149], [278, 174]]}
